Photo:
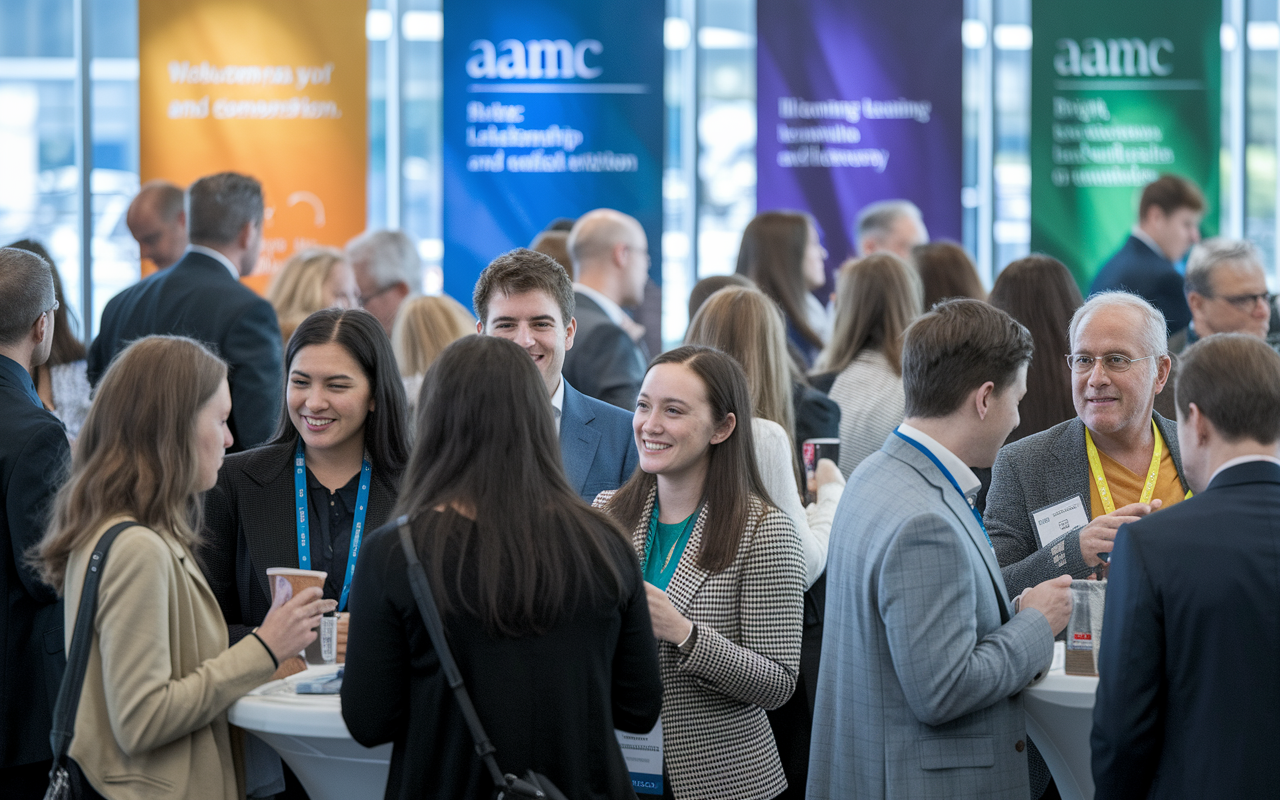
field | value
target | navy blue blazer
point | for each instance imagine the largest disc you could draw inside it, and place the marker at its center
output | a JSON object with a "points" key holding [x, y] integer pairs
{"points": [[197, 297], [596, 444], [1188, 704], [1143, 271]]}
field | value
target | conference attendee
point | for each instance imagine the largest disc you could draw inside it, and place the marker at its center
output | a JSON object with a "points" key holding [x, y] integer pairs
{"points": [[424, 327], [925, 657], [201, 297], [611, 261], [344, 416], [893, 226], [877, 297], [33, 456], [1039, 292], [542, 600], [1169, 215], [724, 574], [782, 254], [554, 244], [309, 281], [748, 327], [526, 297], [157, 220], [1186, 703], [61, 380], [712, 284], [152, 718], [388, 270], [1057, 497], [946, 271]]}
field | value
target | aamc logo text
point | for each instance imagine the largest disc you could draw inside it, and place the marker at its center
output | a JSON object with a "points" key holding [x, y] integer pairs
{"points": [[536, 58], [1113, 57]]}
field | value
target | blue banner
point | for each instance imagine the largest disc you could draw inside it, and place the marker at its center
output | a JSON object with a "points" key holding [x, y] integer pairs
{"points": [[551, 108]]}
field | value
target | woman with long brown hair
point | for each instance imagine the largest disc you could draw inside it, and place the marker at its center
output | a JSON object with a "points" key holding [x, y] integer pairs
{"points": [[782, 253], [725, 576], [946, 271], [152, 716]]}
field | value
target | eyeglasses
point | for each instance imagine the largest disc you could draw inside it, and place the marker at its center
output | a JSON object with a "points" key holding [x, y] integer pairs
{"points": [[1246, 302], [365, 298], [1081, 363]]}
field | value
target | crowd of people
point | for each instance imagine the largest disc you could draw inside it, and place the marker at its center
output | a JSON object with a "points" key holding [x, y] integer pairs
{"points": [[618, 540]]}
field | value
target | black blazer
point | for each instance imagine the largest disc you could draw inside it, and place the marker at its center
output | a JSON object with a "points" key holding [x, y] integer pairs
{"points": [[548, 703], [1188, 702], [249, 527], [197, 297], [1143, 271], [817, 416], [604, 362], [33, 458]]}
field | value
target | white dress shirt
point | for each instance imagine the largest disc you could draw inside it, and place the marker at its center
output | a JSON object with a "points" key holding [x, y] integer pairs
{"points": [[611, 309], [214, 254], [969, 483], [1238, 460], [557, 403]]}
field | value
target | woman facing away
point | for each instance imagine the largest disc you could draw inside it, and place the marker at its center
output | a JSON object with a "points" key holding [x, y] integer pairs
{"points": [[724, 573], [877, 297], [424, 327], [152, 717], [542, 600], [310, 281]]}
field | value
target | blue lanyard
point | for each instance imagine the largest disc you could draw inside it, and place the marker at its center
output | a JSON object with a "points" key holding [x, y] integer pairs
{"points": [[304, 526], [951, 478]]}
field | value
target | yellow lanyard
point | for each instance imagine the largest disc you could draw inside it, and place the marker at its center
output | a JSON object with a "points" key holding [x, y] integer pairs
{"points": [[1104, 492]]}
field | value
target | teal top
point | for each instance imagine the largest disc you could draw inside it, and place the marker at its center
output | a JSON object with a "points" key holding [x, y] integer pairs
{"points": [[664, 547]]}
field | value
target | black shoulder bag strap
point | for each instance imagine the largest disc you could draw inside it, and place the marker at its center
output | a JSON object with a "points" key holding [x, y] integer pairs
{"points": [[65, 780], [509, 786]]}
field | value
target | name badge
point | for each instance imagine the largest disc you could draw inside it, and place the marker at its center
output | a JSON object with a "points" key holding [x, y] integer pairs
{"points": [[1053, 522], [643, 754]]}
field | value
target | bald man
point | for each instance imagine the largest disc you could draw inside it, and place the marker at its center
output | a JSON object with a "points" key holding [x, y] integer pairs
{"points": [[158, 222], [610, 255]]}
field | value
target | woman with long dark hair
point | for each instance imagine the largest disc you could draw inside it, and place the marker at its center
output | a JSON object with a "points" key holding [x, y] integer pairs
{"points": [[344, 416], [725, 573], [782, 253], [542, 600]]}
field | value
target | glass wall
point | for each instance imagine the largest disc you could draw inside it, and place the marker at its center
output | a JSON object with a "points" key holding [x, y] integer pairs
{"points": [[709, 179]]}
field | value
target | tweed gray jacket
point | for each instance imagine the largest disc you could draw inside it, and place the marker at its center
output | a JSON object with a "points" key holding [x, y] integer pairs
{"points": [[717, 743], [923, 662], [1038, 471]]}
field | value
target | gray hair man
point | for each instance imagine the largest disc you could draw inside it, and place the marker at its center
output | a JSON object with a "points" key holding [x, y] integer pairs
{"points": [[1057, 497], [893, 226], [157, 220], [388, 270]]}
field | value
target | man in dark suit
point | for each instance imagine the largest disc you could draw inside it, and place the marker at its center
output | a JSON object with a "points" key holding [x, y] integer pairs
{"points": [[1187, 697], [526, 297], [201, 297], [610, 256], [33, 459], [1168, 225]]}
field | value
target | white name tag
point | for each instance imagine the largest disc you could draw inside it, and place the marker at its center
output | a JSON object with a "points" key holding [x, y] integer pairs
{"points": [[1058, 519], [643, 754]]}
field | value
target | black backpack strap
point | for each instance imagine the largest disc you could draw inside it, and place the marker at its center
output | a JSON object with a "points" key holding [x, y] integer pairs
{"points": [[64, 711]]}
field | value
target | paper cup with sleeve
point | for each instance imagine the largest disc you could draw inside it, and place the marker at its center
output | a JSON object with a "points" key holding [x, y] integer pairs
{"points": [[292, 580]]}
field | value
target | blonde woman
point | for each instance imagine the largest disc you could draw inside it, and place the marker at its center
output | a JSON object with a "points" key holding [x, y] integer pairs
{"points": [[310, 281], [152, 719], [877, 297], [424, 327]]}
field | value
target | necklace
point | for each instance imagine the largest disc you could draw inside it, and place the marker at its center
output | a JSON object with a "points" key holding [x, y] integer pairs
{"points": [[671, 553]]}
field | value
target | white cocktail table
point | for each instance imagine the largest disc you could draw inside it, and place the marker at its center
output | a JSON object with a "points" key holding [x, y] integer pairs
{"points": [[1060, 721]]}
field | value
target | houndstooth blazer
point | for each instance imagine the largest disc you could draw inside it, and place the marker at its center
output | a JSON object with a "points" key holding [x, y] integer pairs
{"points": [[716, 740]]}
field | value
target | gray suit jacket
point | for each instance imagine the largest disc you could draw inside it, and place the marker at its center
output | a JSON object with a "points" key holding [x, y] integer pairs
{"points": [[604, 362], [923, 664], [1039, 471]]}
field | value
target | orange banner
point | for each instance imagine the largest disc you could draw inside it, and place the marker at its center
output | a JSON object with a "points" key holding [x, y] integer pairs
{"points": [[269, 88]]}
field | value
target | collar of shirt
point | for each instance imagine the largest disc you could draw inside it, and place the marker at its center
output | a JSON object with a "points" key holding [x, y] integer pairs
{"points": [[1145, 238], [21, 377], [557, 403], [1238, 460], [214, 254], [969, 483], [611, 309]]}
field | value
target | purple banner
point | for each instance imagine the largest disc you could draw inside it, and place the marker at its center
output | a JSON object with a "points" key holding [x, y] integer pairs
{"points": [[859, 101]]}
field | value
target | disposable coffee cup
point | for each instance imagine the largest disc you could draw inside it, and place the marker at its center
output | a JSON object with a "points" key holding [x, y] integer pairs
{"points": [[296, 579], [815, 449]]}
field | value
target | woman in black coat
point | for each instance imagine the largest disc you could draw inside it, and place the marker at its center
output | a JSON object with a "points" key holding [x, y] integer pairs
{"points": [[542, 600], [344, 412]]}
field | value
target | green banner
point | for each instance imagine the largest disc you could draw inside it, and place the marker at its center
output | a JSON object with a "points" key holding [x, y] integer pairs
{"points": [[1120, 93]]}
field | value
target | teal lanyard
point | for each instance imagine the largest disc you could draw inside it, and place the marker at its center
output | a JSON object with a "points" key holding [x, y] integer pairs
{"points": [[304, 526]]}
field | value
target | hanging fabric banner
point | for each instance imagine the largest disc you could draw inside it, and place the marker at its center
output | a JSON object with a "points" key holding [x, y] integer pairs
{"points": [[1120, 93], [551, 109], [859, 101], [269, 88]]}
